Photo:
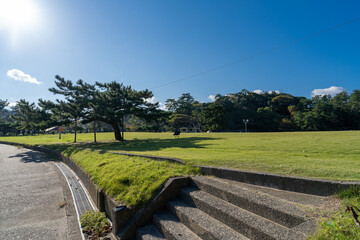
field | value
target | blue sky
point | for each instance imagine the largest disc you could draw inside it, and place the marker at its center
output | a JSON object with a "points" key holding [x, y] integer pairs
{"points": [[147, 44]]}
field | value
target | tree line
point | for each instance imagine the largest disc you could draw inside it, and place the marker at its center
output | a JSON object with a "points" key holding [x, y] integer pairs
{"points": [[267, 112], [121, 108]]}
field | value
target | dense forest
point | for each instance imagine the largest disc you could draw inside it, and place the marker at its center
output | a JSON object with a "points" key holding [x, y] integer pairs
{"points": [[115, 107], [267, 112]]}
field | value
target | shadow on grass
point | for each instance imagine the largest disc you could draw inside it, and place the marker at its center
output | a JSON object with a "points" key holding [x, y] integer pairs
{"points": [[146, 145], [135, 145], [31, 157]]}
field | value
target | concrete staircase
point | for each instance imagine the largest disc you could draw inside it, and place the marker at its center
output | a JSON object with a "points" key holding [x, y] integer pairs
{"points": [[213, 208]]}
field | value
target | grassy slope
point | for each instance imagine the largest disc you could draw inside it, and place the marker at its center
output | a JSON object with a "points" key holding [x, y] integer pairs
{"points": [[130, 180], [330, 155]]}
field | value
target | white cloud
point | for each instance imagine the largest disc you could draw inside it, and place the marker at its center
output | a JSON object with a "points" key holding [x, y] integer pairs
{"points": [[12, 104], [21, 76], [275, 91], [212, 97], [153, 100], [150, 100], [162, 106], [258, 91], [332, 91]]}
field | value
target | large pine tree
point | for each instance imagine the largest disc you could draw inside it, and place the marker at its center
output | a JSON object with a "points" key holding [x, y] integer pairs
{"points": [[114, 101]]}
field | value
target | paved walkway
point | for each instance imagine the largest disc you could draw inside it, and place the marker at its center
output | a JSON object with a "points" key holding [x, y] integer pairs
{"points": [[31, 192]]}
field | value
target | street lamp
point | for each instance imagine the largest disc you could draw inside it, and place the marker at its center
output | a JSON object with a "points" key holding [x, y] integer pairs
{"points": [[245, 121]]}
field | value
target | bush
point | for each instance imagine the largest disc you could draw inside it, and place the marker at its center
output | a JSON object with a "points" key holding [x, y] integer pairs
{"points": [[95, 224]]}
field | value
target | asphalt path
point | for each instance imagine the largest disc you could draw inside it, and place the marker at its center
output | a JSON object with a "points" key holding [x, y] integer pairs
{"points": [[35, 201]]}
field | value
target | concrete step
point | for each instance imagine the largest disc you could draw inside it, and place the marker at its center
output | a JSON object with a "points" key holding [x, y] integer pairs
{"points": [[275, 209], [148, 232], [247, 223], [171, 228], [292, 197], [201, 223]]}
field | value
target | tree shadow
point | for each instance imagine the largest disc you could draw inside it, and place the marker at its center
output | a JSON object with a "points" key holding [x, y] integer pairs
{"points": [[32, 157], [134, 145], [154, 144]]}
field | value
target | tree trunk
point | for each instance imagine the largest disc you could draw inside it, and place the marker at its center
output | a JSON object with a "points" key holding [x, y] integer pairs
{"points": [[95, 131], [122, 127], [117, 131], [75, 130]]}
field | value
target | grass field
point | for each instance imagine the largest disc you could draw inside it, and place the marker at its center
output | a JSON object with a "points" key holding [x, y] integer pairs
{"points": [[328, 155]]}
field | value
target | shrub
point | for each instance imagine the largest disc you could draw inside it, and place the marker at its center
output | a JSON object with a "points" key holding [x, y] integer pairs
{"points": [[95, 224]]}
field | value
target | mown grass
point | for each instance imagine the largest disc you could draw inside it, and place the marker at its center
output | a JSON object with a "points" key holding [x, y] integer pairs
{"points": [[327, 155]]}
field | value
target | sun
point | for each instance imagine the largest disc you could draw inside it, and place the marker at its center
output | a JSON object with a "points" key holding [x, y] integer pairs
{"points": [[18, 15]]}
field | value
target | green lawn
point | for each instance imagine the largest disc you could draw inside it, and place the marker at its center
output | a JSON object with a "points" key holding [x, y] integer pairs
{"points": [[329, 155]]}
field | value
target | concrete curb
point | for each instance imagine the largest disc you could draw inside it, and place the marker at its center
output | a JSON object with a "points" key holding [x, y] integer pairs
{"points": [[290, 183], [157, 158]]}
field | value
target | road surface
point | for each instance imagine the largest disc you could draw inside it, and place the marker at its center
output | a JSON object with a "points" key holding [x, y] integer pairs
{"points": [[32, 194]]}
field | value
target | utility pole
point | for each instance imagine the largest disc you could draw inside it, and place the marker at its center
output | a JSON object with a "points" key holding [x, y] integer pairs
{"points": [[245, 121]]}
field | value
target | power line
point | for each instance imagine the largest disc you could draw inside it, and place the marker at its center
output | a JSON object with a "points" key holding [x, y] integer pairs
{"points": [[257, 54]]}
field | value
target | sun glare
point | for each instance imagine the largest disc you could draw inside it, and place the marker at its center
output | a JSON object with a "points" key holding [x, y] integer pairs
{"points": [[18, 16]]}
